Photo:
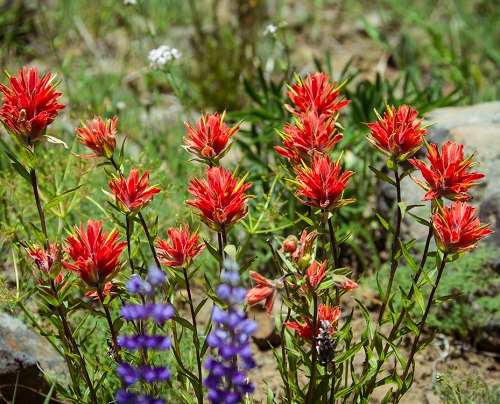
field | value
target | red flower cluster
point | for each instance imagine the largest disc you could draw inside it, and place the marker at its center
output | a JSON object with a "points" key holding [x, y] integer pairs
{"points": [[209, 141], [95, 253], [313, 134], [317, 94], [397, 135], [44, 261], [265, 289], [182, 249], [457, 229], [323, 184], [220, 199], [99, 136], [325, 313], [448, 175], [133, 193], [30, 105]]}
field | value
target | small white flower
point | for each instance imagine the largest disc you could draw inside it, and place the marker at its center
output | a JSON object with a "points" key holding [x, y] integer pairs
{"points": [[130, 2], [270, 29], [161, 56]]}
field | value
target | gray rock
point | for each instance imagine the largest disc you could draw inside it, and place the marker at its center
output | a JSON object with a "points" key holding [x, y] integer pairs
{"points": [[23, 355]]}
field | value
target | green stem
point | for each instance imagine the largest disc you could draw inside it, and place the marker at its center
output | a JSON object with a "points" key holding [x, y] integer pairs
{"points": [[196, 340], [41, 215], [129, 242], [312, 380], [421, 327]]}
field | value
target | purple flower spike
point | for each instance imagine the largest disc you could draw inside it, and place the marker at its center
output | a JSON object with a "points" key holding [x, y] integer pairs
{"points": [[226, 381], [144, 314]]}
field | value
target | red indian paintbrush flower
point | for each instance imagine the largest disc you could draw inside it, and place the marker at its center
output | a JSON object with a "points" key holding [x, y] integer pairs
{"points": [[99, 136], [316, 273], [266, 289], [343, 282], [316, 93], [133, 193], [397, 135], [44, 261], [182, 249], [327, 314], [448, 174], [220, 198], [30, 106], [323, 183], [313, 135], [95, 253], [457, 229], [209, 141]]}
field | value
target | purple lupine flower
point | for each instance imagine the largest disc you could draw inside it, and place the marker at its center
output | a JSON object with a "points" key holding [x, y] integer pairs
{"points": [[227, 380], [148, 311]]}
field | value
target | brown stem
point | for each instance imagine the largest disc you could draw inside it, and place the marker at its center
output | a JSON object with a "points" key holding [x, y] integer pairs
{"points": [[333, 245], [150, 242], [196, 340], [39, 208]]}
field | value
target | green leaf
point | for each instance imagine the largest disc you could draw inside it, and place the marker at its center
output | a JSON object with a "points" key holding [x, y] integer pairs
{"points": [[29, 157], [38, 233], [61, 197], [369, 325], [350, 352], [213, 251], [408, 257], [385, 223], [19, 168], [183, 322], [420, 220], [230, 250], [442, 299], [382, 176], [305, 219], [422, 344]]}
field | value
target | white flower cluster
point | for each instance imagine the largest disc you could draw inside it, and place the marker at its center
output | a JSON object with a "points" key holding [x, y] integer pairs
{"points": [[270, 29], [161, 56], [131, 2]]}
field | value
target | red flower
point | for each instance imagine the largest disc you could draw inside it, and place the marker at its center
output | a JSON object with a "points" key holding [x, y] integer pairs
{"points": [[220, 198], [397, 135], [182, 249], [99, 136], [109, 287], [315, 273], [316, 93], [313, 135], [343, 282], [133, 193], [448, 174], [209, 140], [44, 262], [302, 252], [456, 229], [95, 253], [323, 183], [265, 289], [30, 105], [325, 313]]}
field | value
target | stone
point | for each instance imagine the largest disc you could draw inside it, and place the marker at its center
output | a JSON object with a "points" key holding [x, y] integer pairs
{"points": [[24, 357]]}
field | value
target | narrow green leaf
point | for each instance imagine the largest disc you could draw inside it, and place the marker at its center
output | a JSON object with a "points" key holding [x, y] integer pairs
{"points": [[369, 325], [409, 259], [420, 220], [38, 233], [442, 299], [61, 197], [384, 223], [305, 219], [382, 176], [184, 323], [19, 168]]}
